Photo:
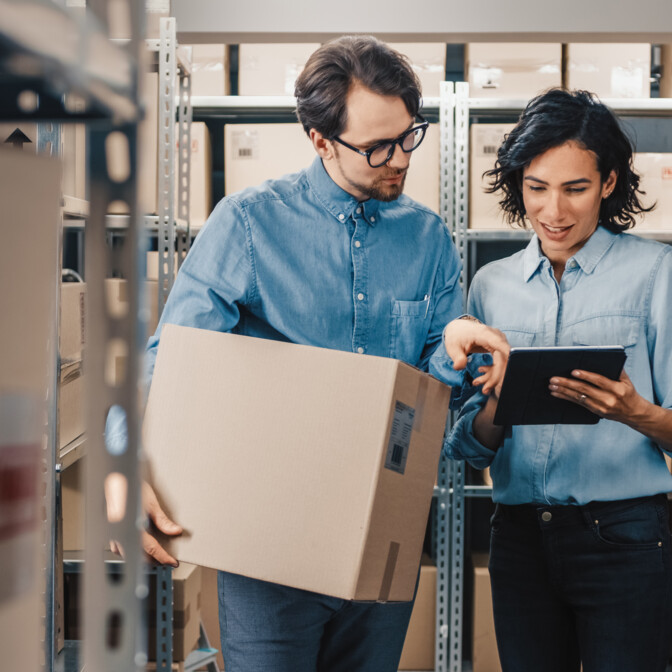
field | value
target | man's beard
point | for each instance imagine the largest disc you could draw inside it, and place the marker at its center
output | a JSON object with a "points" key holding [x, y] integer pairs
{"points": [[378, 189]]}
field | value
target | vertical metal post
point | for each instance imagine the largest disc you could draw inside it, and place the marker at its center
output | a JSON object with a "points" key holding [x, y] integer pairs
{"points": [[166, 145], [114, 637], [461, 173], [184, 165], [49, 144], [164, 619]]}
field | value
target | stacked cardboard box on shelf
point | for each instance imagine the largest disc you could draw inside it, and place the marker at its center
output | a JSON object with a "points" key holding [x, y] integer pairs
{"points": [[655, 171], [419, 646], [610, 70], [512, 70], [428, 60], [209, 70], [484, 645]]}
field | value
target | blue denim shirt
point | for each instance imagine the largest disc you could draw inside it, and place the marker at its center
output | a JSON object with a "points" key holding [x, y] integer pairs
{"points": [[298, 259], [616, 290]]}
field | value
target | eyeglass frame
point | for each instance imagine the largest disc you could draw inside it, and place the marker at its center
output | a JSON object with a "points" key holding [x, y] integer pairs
{"points": [[424, 125]]}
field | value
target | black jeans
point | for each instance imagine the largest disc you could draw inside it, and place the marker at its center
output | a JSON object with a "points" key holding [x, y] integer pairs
{"points": [[583, 584]]}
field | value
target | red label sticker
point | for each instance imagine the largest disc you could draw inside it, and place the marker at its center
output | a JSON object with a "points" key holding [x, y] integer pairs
{"points": [[667, 173]]}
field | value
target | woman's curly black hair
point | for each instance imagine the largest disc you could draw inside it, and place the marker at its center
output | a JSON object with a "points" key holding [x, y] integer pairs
{"points": [[552, 119]]}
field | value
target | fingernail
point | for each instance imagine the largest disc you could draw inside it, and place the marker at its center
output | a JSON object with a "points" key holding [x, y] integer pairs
{"points": [[552, 387], [576, 374], [554, 381]]}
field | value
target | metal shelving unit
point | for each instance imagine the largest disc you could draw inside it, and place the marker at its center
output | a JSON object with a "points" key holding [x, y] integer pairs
{"points": [[455, 173]]}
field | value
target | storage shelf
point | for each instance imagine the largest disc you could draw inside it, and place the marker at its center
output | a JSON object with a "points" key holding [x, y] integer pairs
{"points": [[120, 222], [46, 49], [72, 452], [625, 106]]}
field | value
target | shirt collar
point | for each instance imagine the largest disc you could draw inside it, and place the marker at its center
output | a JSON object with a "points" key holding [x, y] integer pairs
{"points": [[338, 202], [587, 257]]}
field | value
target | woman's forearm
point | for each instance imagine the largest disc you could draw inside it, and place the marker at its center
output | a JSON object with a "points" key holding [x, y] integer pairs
{"points": [[487, 433]]}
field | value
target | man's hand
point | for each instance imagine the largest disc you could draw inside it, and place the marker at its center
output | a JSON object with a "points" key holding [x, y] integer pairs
{"points": [[462, 338], [115, 495]]}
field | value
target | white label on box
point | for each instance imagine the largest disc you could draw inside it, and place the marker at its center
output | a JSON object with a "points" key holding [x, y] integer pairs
{"points": [[487, 139], [245, 145], [400, 437], [486, 78]]}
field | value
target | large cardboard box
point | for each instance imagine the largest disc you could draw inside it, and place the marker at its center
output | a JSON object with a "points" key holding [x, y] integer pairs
{"points": [[655, 171], [303, 466], [419, 645], [71, 338], [512, 70], [271, 69], [30, 193], [71, 415], [73, 506], [200, 177], [610, 70], [484, 652], [484, 210], [423, 178]]}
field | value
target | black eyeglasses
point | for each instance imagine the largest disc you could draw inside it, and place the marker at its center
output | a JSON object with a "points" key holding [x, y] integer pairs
{"points": [[380, 154]]}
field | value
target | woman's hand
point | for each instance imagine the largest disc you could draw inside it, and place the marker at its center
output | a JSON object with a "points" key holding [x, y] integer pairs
{"points": [[616, 400]]}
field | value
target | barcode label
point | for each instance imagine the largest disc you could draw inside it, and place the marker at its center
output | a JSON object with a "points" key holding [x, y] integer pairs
{"points": [[400, 437], [244, 152], [489, 149], [245, 144]]}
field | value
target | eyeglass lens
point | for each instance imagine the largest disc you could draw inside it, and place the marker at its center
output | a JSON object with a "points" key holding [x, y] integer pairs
{"points": [[383, 153]]}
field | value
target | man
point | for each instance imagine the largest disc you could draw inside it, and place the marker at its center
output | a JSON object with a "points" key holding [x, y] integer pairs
{"points": [[333, 256]]}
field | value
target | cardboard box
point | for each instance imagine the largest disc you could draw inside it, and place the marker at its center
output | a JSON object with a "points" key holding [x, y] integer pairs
{"points": [[71, 338], [655, 171], [210, 70], [484, 210], [429, 63], [419, 645], [71, 415], [610, 70], [73, 506], [200, 177], [116, 290], [423, 177], [484, 652], [257, 152], [71, 151], [30, 192], [186, 611], [210, 610], [271, 69], [324, 461], [512, 70]]}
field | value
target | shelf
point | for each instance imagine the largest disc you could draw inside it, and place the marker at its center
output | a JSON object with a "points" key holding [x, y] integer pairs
{"points": [[47, 49], [75, 207], [119, 222], [255, 109], [626, 106], [74, 451]]}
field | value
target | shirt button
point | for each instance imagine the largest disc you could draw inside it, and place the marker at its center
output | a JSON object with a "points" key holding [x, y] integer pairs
{"points": [[359, 211], [546, 516], [373, 219], [360, 296], [360, 350], [358, 243], [341, 216], [572, 264]]}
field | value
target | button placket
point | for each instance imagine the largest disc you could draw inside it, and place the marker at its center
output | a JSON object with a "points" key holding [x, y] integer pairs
{"points": [[360, 287]]}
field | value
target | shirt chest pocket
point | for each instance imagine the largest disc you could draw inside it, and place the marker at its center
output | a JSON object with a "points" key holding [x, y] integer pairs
{"points": [[607, 330], [409, 326]]}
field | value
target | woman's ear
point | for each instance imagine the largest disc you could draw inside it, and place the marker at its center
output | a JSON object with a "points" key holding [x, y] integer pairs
{"points": [[609, 184]]}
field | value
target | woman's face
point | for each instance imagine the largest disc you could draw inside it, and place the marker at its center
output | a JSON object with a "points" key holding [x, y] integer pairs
{"points": [[562, 193]]}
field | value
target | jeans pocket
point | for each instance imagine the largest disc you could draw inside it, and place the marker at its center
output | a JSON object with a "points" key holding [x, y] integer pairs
{"points": [[628, 525]]}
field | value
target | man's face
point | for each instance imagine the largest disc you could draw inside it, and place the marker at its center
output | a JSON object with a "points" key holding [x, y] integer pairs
{"points": [[372, 119]]}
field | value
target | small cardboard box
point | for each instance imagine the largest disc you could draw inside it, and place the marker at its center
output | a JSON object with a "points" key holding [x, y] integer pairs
{"points": [[186, 611], [71, 416], [209, 70], [484, 210], [485, 657], [302, 466], [419, 647], [71, 339], [200, 176], [655, 171], [73, 506], [610, 70], [512, 70], [271, 69], [429, 63]]}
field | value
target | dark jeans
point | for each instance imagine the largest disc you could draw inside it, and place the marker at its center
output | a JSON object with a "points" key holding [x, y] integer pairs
{"points": [[266, 627], [582, 584]]}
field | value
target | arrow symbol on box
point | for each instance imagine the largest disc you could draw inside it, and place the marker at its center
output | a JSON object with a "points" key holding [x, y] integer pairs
{"points": [[18, 138]]}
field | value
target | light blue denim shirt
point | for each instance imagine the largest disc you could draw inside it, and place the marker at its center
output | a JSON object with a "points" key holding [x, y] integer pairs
{"points": [[616, 290], [298, 259]]}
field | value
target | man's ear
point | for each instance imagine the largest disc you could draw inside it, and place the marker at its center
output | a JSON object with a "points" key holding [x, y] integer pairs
{"points": [[323, 147]]}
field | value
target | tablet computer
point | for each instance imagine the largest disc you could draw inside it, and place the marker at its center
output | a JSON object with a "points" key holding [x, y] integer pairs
{"points": [[525, 398]]}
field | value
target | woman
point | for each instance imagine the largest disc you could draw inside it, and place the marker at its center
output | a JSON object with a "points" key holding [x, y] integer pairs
{"points": [[580, 558]]}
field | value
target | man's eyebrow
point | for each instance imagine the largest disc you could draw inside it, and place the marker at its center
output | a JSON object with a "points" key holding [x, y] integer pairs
{"points": [[373, 143]]}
